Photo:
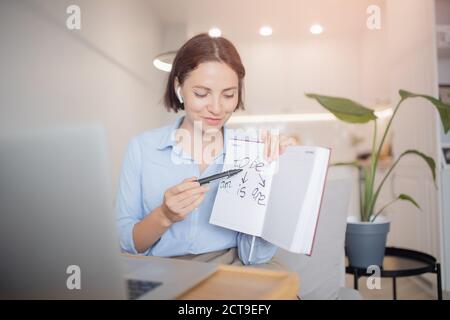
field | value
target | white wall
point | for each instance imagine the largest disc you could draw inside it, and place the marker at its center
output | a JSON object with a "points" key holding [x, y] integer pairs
{"points": [[374, 65], [101, 73], [281, 70], [413, 66], [279, 73]]}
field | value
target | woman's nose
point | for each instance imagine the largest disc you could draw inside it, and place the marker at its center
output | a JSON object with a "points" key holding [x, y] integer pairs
{"points": [[216, 106]]}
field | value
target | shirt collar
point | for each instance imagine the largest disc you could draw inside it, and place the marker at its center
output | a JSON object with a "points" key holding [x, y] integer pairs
{"points": [[168, 138]]}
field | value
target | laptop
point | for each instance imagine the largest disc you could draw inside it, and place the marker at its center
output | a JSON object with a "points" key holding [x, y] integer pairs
{"points": [[58, 238]]}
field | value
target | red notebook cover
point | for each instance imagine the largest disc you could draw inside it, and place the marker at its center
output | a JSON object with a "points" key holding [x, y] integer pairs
{"points": [[320, 207]]}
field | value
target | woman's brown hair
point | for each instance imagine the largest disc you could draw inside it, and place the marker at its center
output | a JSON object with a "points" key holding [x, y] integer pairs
{"points": [[199, 49]]}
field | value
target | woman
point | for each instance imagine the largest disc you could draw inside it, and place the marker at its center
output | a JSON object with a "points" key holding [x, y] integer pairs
{"points": [[162, 210]]}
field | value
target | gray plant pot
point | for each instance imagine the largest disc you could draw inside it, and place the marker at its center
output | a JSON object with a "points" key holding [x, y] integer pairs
{"points": [[365, 242]]}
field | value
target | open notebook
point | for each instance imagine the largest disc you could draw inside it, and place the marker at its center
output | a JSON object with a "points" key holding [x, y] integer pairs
{"points": [[280, 201]]}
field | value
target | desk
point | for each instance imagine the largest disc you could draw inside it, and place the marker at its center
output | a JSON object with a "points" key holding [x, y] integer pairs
{"points": [[232, 282], [238, 283]]}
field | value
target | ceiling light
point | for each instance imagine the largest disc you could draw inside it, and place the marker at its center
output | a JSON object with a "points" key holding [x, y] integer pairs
{"points": [[215, 32], [265, 31], [164, 61], [316, 29]]}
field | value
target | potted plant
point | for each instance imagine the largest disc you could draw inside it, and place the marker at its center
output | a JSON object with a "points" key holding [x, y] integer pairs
{"points": [[366, 235]]}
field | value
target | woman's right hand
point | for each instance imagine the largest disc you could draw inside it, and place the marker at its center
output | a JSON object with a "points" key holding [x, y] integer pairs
{"points": [[182, 198]]}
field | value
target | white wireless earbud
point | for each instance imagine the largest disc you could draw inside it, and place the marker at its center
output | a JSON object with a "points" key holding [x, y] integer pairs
{"points": [[180, 98]]}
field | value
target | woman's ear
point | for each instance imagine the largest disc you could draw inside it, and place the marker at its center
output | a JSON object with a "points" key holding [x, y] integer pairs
{"points": [[178, 91], [180, 97]]}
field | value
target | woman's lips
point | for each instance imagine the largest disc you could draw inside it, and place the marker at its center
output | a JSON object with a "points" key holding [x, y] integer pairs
{"points": [[212, 121]]}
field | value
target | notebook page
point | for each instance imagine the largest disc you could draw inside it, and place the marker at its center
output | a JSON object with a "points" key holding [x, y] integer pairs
{"points": [[289, 189], [306, 228], [241, 200]]}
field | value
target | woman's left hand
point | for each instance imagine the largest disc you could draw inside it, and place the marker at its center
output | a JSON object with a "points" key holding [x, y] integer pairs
{"points": [[275, 144]]}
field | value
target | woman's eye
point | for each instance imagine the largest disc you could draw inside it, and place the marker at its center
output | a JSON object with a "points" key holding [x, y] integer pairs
{"points": [[200, 95], [229, 96]]}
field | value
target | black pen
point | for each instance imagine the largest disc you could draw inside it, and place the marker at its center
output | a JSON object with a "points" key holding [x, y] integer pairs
{"points": [[224, 174]]}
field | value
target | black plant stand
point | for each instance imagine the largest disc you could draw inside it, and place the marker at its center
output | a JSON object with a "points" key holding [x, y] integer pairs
{"points": [[400, 262]]}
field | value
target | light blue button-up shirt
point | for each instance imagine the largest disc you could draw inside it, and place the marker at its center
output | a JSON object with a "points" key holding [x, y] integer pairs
{"points": [[152, 164]]}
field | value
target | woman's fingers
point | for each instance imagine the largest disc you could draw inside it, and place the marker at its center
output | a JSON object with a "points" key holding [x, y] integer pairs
{"points": [[274, 147], [271, 145], [275, 144], [178, 210], [188, 196], [284, 143], [289, 141], [193, 205], [183, 194], [189, 193], [264, 137], [187, 184]]}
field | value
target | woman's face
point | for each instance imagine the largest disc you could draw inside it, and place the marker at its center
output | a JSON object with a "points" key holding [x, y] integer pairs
{"points": [[210, 94]]}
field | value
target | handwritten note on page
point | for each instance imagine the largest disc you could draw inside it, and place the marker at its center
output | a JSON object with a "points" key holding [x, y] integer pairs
{"points": [[242, 199], [280, 201]]}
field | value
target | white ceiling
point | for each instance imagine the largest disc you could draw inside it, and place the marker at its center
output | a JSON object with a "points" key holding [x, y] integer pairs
{"points": [[241, 19]]}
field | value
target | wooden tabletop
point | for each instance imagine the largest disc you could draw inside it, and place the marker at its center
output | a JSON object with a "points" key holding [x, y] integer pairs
{"points": [[246, 283], [239, 283]]}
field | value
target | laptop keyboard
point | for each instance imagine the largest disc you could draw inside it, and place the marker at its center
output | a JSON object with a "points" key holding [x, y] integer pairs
{"points": [[137, 288]]}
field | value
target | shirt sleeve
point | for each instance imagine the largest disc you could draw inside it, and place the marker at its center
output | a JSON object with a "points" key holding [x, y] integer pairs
{"points": [[263, 251], [129, 209]]}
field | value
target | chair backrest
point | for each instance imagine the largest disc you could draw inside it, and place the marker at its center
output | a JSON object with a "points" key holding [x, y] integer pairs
{"points": [[323, 273]]}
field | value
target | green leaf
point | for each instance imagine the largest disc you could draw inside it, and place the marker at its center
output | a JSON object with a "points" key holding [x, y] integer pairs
{"points": [[352, 164], [443, 108], [404, 197], [344, 109], [430, 161], [408, 198]]}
